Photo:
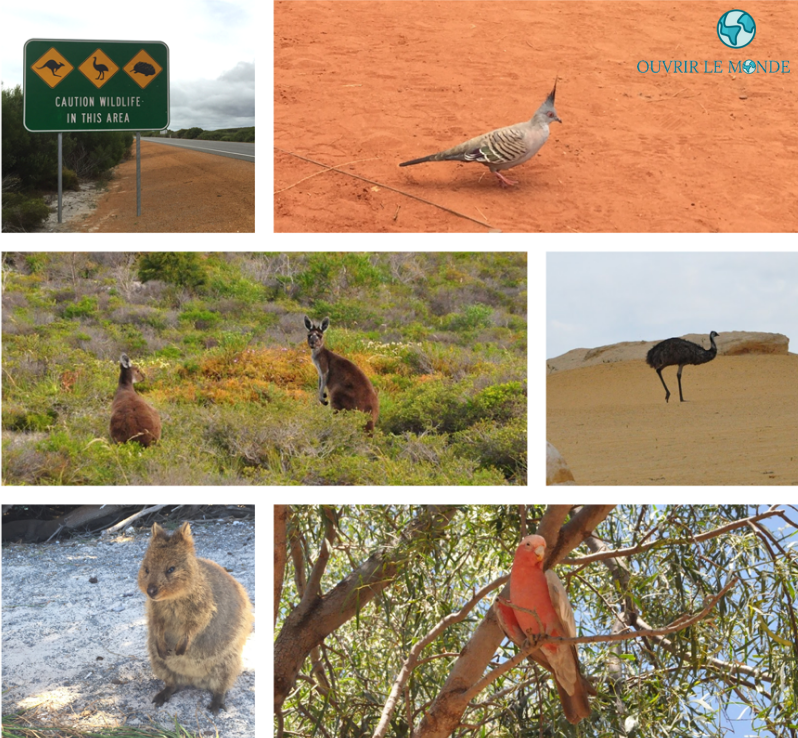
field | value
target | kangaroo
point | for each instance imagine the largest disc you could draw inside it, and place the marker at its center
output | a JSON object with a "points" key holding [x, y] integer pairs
{"points": [[348, 387], [53, 66], [132, 419]]}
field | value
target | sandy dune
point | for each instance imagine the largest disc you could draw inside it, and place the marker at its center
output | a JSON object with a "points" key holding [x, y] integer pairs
{"points": [[738, 424]]}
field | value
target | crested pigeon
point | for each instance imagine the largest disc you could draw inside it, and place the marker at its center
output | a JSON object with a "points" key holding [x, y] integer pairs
{"points": [[503, 148]]}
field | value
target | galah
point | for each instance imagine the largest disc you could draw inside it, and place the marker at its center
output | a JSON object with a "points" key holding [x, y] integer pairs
{"points": [[549, 612]]}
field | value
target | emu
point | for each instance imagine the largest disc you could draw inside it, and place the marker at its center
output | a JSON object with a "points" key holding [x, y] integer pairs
{"points": [[132, 419], [349, 388], [673, 351], [101, 68]]}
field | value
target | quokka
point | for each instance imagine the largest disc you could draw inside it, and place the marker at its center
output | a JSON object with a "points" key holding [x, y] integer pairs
{"points": [[199, 617]]}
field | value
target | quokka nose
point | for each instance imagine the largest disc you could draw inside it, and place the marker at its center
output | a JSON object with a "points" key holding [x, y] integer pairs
{"points": [[152, 590]]}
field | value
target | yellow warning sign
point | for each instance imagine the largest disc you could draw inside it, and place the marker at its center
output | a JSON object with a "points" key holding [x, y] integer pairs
{"points": [[98, 68], [52, 67], [143, 69]]}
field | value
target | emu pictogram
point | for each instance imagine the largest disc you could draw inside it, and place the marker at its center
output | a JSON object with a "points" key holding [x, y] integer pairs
{"points": [[53, 66], [101, 68]]}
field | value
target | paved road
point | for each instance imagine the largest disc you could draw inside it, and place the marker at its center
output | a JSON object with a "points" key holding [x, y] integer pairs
{"points": [[231, 149]]}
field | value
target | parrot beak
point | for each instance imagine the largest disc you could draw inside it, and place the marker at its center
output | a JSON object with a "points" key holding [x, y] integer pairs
{"points": [[540, 553]]}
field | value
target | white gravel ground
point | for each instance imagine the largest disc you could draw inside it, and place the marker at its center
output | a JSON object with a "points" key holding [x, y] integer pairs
{"points": [[78, 650]]}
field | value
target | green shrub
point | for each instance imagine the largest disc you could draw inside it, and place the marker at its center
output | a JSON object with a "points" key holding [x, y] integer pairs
{"points": [[200, 315], [183, 268], [472, 318], [85, 307], [17, 419], [22, 212], [69, 180], [499, 402], [439, 406], [501, 447]]}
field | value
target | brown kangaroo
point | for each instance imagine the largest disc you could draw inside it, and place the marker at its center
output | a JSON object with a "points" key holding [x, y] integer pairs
{"points": [[132, 419], [348, 387]]}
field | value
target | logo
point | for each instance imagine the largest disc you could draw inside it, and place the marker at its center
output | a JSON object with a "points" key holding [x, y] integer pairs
{"points": [[749, 66], [736, 29], [98, 68], [52, 68]]}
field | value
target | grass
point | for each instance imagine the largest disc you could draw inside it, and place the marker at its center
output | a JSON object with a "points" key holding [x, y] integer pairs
{"points": [[441, 336]]}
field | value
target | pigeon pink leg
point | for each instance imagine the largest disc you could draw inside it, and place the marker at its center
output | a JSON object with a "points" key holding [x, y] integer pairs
{"points": [[503, 181]]}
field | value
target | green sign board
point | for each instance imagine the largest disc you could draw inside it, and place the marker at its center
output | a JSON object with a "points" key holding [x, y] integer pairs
{"points": [[96, 85]]}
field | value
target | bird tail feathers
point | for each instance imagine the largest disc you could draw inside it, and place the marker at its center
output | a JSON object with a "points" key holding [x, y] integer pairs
{"points": [[417, 161]]}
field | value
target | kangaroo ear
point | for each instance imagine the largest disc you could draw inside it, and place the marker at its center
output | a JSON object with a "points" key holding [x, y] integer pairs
{"points": [[308, 324], [325, 324]]}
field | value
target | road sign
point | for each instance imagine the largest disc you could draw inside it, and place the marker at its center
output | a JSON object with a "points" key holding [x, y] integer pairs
{"points": [[75, 85]]}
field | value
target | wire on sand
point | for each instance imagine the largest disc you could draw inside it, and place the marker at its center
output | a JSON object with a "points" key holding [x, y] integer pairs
{"points": [[328, 168]]}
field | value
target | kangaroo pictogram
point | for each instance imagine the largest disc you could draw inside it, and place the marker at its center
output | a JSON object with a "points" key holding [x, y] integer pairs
{"points": [[101, 68], [53, 66]]}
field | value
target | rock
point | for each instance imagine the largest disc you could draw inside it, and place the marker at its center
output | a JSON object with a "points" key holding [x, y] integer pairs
{"points": [[736, 343], [730, 343], [557, 471]]}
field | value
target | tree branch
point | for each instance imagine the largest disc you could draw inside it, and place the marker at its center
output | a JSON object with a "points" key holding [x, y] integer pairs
{"points": [[577, 529], [445, 713], [412, 659], [682, 622], [667, 543], [281, 513], [307, 626]]}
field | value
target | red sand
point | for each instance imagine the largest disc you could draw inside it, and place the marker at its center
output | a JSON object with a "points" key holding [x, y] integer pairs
{"points": [[382, 82]]}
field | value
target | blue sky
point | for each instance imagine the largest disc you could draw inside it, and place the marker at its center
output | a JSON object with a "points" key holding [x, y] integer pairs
{"points": [[594, 299]]}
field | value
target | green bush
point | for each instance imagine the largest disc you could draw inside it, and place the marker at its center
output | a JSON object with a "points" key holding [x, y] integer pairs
{"points": [[183, 268], [200, 315], [85, 307], [472, 318], [33, 157], [499, 402], [22, 212], [501, 447], [440, 406]]}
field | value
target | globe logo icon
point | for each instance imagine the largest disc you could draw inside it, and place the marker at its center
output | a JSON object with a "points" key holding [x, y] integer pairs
{"points": [[736, 29], [749, 66]]}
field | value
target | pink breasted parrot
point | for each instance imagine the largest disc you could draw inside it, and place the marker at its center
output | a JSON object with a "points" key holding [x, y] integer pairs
{"points": [[544, 595]]}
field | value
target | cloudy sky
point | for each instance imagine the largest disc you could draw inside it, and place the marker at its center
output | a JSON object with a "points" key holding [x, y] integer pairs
{"points": [[595, 299], [211, 48]]}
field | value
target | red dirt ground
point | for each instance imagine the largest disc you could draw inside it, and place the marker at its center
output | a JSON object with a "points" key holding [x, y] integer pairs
{"points": [[182, 191], [378, 83]]}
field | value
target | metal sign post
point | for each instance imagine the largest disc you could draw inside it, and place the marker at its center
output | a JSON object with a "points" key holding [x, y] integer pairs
{"points": [[93, 85], [138, 174], [60, 172]]}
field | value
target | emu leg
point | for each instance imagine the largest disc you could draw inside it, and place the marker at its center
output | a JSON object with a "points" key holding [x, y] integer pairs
{"points": [[679, 377], [667, 391]]}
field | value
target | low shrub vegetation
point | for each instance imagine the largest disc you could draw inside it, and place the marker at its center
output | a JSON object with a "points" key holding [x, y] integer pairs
{"points": [[221, 342]]}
